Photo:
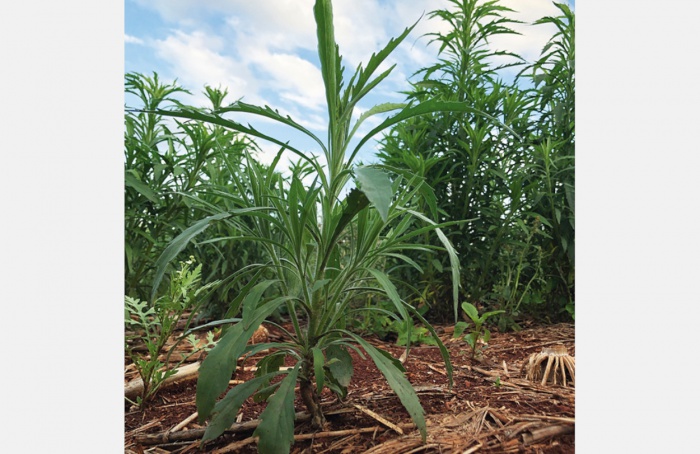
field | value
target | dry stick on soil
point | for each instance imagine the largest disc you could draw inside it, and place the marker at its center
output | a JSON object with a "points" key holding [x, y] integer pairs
{"points": [[335, 446], [528, 347], [144, 427], [437, 370], [189, 435], [233, 447], [536, 435], [188, 372], [187, 420], [546, 418], [473, 449], [374, 415]]}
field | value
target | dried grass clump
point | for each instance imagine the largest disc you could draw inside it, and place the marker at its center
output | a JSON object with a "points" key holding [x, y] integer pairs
{"points": [[260, 335], [552, 365]]}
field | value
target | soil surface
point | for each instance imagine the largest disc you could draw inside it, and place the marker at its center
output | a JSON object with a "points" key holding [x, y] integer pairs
{"points": [[491, 408]]}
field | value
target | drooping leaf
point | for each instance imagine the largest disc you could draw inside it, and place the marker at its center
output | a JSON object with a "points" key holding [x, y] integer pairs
{"points": [[178, 244], [276, 429], [251, 300], [376, 185], [443, 350], [341, 368], [395, 299], [398, 382], [451, 253], [218, 366], [226, 410]]}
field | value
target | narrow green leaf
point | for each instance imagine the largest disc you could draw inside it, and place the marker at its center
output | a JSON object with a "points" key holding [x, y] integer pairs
{"points": [[378, 109], [220, 363], [390, 290], [328, 54], [132, 181], [443, 350], [425, 108], [318, 368], [401, 386], [276, 429], [251, 300], [452, 254], [226, 410]]}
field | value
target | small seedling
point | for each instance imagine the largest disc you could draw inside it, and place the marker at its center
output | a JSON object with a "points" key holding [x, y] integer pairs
{"points": [[153, 324], [478, 332]]}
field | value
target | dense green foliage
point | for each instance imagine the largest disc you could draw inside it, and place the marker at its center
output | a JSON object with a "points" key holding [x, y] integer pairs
{"points": [[174, 172], [471, 165], [512, 188]]}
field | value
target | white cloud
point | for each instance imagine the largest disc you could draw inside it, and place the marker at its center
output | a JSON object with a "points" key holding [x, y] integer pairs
{"points": [[532, 37], [132, 39], [196, 59]]}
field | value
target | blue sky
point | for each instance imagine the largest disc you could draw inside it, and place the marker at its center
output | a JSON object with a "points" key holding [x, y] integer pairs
{"points": [[265, 51]]}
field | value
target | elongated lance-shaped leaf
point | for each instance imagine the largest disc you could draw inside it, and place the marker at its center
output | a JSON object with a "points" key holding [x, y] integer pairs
{"points": [[354, 203], [276, 429], [220, 363], [328, 55], [376, 185], [226, 410], [180, 241], [363, 74], [398, 382], [443, 350], [251, 301], [454, 261], [131, 180], [319, 361], [194, 114], [178, 244], [268, 112], [378, 109], [390, 290], [425, 108]]}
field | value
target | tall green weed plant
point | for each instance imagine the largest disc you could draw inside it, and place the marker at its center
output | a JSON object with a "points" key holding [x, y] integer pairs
{"points": [[300, 222], [494, 179]]}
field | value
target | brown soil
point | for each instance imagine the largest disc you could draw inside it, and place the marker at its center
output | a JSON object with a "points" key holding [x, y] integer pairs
{"points": [[490, 408]]}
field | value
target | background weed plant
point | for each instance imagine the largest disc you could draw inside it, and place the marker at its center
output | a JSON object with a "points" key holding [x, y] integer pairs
{"points": [[495, 179], [152, 325], [173, 171]]}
